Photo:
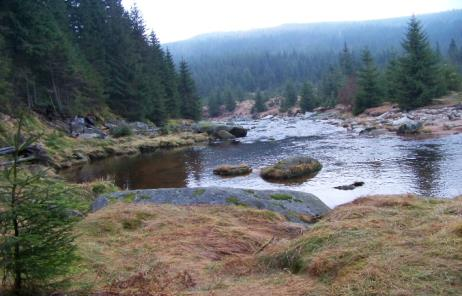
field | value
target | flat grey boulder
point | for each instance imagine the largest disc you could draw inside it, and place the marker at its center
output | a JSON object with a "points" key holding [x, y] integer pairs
{"points": [[296, 206]]}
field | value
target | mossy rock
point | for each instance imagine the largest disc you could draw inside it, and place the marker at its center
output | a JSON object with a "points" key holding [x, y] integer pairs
{"points": [[292, 168], [232, 170]]}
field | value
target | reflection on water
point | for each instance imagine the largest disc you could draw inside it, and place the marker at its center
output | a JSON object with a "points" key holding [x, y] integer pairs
{"points": [[425, 162], [386, 164]]}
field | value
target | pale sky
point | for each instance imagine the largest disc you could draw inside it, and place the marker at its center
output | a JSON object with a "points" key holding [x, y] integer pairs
{"points": [[174, 20]]}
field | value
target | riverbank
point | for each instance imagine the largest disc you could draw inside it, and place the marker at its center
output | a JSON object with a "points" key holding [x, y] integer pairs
{"points": [[59, 150], [442, 118], [388, 245]]}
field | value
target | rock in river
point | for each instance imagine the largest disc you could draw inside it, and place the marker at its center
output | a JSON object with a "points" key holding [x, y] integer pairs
{"points": [[232, 170], [290, 168], [294, 205], [224, 135], [407, 126]]}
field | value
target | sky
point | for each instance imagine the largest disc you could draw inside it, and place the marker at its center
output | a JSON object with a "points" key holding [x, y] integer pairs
{"points": [[175, 20]]}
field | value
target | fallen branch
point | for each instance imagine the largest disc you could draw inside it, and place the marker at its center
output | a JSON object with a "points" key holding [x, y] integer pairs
{"points": [[24, 159]]}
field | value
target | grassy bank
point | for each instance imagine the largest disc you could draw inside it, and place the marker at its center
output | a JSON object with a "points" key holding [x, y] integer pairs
{"points": [[64, 151], [399, 245]]}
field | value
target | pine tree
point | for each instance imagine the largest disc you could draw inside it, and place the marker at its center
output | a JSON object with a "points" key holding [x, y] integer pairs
{"points": [[330, 86], [392, 74], [369, 94], [214, 105], [290, 96], [346, 61], [190, 102], [259, 105], [230, 103], [308, 99], [5, 86], [170, 82], [418, 76], [453, 52], [36, 241]]}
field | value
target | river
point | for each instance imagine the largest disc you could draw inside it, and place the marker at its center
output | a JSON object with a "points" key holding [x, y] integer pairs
{"points": [[387, 164]]}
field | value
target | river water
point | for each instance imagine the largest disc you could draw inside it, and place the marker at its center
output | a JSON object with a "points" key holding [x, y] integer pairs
{"points": [[387, 164]]}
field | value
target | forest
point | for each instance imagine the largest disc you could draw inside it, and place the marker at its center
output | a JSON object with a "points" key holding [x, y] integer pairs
{"points": [[73, 57], [323, 54]]}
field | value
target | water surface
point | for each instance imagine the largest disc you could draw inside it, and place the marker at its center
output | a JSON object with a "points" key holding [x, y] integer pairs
{"points": [[387, 164]]}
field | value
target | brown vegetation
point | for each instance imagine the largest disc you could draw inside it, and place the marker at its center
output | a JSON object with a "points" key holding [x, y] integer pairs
{"points": [[384, 245]]}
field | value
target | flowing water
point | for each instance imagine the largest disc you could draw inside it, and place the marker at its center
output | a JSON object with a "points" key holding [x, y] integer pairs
{"points": [[387, 164]]}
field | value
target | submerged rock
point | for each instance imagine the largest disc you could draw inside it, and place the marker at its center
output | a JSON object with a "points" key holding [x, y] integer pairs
{"points": [[290, 168], [232, 170], [296, 206], [351, 186]]}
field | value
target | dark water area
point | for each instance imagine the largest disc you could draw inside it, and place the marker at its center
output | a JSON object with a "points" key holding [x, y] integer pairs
{"points": [[387, 164]]}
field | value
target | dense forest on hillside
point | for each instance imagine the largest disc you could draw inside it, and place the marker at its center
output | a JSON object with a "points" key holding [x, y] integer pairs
{"points": [[269, 59], [68, 57]]}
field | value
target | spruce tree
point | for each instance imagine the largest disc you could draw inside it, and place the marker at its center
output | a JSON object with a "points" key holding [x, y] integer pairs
{"points": [[453, 52], [346, 61], [259, 105], [170, 82], [392, 76], [190, 102], [369, 94], [418, 76], [290, 96], [308, 99], [214, 105], [36, 241], [230, 103], [5, 85]]}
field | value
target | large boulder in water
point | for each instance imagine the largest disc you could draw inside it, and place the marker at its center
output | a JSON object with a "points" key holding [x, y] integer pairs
{"points": [[224, 135], [214, 128], [292, 168], [238, 131], [294, 205], [232, 170], [407, 126]]}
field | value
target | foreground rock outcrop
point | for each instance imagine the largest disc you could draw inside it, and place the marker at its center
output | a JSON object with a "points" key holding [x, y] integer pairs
{"points": [[295, 206], [291, 168]]}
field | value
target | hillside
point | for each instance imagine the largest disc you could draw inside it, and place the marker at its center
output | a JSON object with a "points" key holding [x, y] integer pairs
{"points": [[265, 58]]}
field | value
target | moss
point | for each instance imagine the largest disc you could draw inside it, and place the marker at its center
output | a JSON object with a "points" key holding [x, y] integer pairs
{"points": [[280, 196], [144, 197], [198, 192], [129, 198], [235, 201]]}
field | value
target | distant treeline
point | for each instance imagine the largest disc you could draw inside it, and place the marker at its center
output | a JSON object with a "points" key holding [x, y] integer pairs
{"points": [[268, 60], [65, 57], [412, 78]]}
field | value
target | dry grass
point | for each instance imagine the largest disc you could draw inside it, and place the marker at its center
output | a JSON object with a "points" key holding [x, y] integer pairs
{"points": [[381, 246], [394, 245], [173, 249]]}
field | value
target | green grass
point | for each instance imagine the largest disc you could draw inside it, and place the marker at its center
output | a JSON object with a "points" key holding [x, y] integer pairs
{"points": [[235, 201], [129, 198], [198, 192], [281, 196]]}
